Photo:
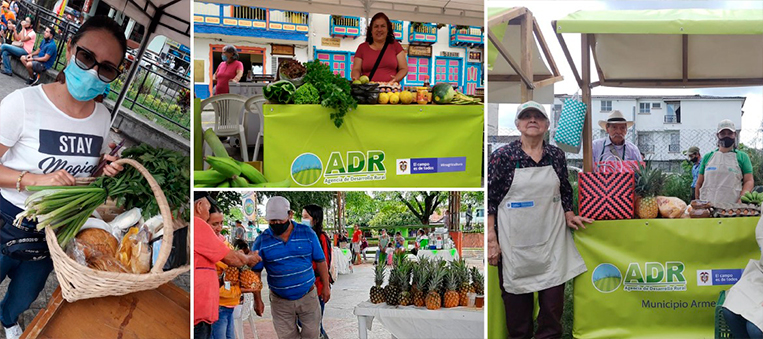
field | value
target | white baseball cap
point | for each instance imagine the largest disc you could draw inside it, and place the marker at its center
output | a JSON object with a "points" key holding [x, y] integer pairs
{"points": [[277, 208], [726, 124], [529, 106]]}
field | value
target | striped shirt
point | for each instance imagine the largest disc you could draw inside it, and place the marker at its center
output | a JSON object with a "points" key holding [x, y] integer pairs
{"points": [[289, 264]]}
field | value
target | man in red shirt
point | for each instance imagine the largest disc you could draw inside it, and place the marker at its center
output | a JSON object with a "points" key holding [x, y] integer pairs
{"points": [[208, 250], [356, 244]]}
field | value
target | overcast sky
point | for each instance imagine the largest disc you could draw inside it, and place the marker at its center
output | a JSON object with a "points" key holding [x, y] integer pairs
{"points": [[546, 11]]}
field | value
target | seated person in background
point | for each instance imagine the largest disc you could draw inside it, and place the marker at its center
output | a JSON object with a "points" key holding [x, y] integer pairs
{"points": [[42, 59], [23, 43], [614, 147], [743, 308]]}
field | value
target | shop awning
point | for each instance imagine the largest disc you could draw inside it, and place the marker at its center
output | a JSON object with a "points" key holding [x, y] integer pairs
{"points": [[454, 12], [174, 23], [673, 48], [504, 32]]}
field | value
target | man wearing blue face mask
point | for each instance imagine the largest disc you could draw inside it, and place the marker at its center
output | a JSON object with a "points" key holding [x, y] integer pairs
{"points": [[41, 59], [288, 251]]}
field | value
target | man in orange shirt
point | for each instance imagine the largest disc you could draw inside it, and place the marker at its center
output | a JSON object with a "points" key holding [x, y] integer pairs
{"points": [[207, 251]]}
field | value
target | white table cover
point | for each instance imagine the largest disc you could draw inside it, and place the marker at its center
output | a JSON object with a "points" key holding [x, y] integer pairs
{"points": [[447, 255], [418, 322]]}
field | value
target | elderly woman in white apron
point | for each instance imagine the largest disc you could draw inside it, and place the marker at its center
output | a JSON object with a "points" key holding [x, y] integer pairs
{"points": [[530, 197], [726, 173], [743, 308]]}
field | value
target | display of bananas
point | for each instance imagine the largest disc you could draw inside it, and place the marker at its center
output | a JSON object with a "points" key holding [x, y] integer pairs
{"points": [[752, 198], [228, 172]]}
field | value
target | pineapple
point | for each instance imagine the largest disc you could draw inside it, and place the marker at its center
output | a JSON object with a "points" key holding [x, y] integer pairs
{"points": [[478, 282], [451, 298], [463, 282], [377, 296], [418, 291], [392, 291], [433, 300], [231, 274], [405, 275], [649, 182], [249, 279]]}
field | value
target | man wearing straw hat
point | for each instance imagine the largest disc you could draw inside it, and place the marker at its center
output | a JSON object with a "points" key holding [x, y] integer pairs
{"points": [[614, 147], [208, 250]]}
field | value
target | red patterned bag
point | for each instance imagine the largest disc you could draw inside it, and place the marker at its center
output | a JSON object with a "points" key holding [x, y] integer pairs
{"points": [[606, 196]]}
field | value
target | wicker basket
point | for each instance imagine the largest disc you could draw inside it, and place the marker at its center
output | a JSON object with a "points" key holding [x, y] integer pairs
{"points": [[722, 330], [81, 282]]}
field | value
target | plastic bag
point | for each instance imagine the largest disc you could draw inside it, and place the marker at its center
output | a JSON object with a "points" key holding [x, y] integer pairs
{"points": [[671, 207], [134, 251]]}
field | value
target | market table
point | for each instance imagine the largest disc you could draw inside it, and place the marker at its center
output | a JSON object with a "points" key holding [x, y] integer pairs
{"points": [[650, 278], [419, 322], [164, 312], [343, 260], [377, 146], [447, 255]]}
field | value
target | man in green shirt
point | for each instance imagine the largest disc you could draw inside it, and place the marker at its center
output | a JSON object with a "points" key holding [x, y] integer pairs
{"points": [[726, 173]]}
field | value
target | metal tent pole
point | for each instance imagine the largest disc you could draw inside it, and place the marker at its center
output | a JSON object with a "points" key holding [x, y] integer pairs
{"points": [[136, 64]]}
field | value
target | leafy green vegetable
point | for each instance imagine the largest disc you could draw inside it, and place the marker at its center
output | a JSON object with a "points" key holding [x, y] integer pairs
{"points": [[307, 95], [334, 90], [170, 169], [280, 92]]}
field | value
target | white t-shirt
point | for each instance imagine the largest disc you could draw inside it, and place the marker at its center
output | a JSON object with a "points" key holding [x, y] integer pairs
{"points": [[42, 139]]}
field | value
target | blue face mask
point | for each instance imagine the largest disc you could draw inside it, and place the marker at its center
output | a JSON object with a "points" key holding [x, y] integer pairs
{"points": [[307, 222], [83, 85], [225, 57]]}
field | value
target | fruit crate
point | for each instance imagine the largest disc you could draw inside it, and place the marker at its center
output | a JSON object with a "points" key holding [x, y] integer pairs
{"points": [[722, 330]]}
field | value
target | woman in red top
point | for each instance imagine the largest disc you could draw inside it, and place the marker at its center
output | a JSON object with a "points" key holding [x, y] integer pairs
{"points": [[229, 70], [312, 215], [393, 66]]}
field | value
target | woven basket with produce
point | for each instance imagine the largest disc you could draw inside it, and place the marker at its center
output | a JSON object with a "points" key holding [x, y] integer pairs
{"points": [[89, 259]]}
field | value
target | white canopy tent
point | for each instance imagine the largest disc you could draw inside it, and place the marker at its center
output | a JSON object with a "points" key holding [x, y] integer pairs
{"points": [[170, 18], [509, 82], [454, 12]]}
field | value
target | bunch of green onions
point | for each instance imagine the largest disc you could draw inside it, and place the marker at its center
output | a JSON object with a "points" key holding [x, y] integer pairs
{"points": [[64, 207]]}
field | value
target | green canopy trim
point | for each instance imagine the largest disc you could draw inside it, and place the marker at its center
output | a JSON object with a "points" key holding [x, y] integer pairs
{"points": [[669, 21]]}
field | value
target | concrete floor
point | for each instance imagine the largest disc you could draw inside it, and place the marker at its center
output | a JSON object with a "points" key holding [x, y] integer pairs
{"points": [[348, 291]]}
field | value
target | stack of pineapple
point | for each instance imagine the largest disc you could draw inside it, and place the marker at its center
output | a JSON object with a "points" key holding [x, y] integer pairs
{"points": [[428, 283], [649, 182], [244, 277]]}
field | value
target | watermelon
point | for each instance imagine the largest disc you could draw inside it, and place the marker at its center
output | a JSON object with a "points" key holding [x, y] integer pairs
{"points": [[443, 93]]}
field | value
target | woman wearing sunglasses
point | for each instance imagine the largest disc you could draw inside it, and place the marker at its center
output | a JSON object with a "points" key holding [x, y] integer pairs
{"points": [[49, 135]]}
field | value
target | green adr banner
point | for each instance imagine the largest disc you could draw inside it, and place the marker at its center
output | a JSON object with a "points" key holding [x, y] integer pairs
{"points": [[377, 146], [658, 278]]}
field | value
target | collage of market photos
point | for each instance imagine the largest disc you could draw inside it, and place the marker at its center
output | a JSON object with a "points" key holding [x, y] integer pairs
{"points": [[374, 169]]}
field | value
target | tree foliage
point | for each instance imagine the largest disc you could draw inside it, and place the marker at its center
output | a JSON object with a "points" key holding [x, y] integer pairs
{"points": [[227, 200], [394, 214], [422, 204], [300, 199]]}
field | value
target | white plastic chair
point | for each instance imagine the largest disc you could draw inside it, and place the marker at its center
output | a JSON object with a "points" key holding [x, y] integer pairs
{"points": [[228, 117], [254, 106]]}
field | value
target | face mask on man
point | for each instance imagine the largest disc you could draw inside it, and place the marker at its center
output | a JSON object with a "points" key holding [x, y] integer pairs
{"points": [[279, 228]]}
